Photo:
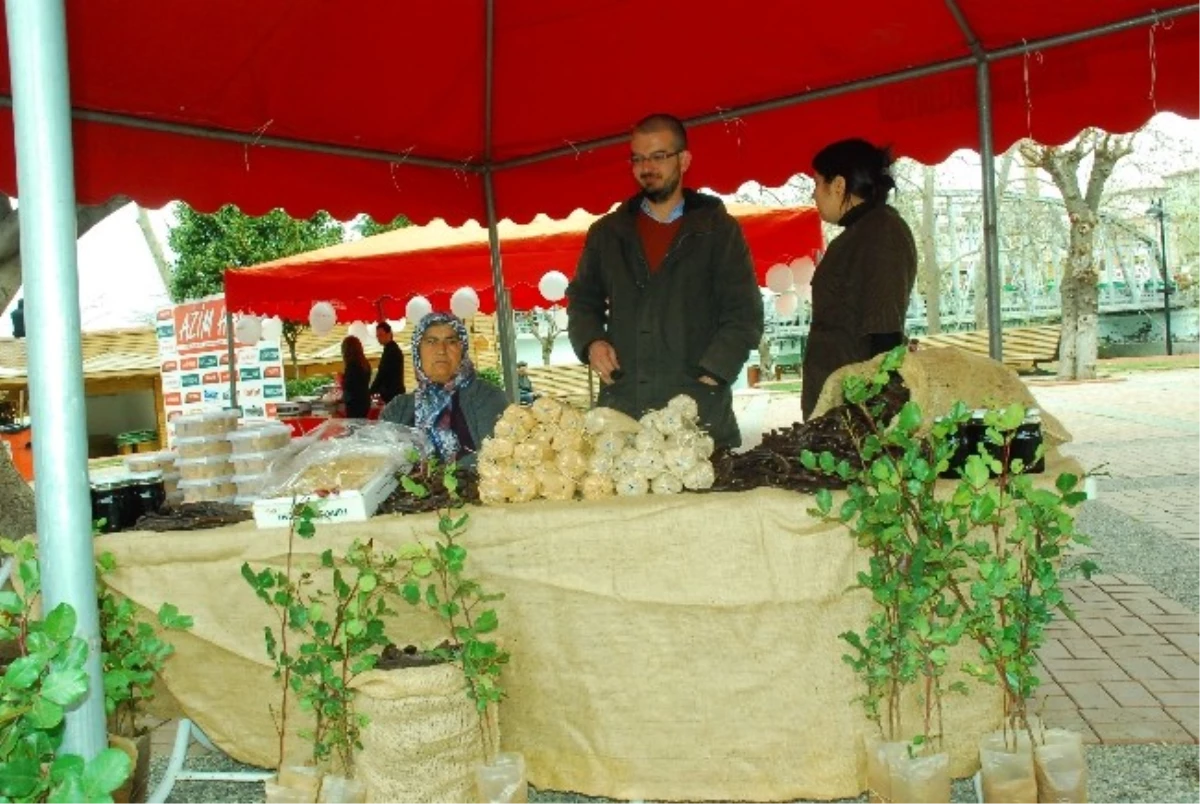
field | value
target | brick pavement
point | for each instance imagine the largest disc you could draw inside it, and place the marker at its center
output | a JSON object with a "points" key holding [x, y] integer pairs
{"points": [[1126, 671]]}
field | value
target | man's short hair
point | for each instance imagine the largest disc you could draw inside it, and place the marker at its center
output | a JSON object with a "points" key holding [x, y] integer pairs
{"points": [[385, 326], [654, 123], [522, 364]]}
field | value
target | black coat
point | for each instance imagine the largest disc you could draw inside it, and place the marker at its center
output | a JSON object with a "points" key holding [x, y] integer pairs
{"points": [[861, 288], [389, 378], [699, 314], [355, 397]]}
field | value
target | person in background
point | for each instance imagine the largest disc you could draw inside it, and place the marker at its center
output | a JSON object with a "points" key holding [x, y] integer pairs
{"points": [[450, 405], [524, 384], [665, 300], [389, 378], [356, 375], [861, 287]]}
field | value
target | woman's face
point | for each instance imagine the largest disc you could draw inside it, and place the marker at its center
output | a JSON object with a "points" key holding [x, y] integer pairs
{"points": [[830, 197], [441, 353]]}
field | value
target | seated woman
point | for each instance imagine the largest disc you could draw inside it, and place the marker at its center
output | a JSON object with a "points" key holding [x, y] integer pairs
{"points": [[451, 405]]}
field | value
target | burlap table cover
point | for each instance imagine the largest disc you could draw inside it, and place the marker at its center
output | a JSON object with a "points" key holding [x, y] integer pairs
{"points": [[681, 647]]}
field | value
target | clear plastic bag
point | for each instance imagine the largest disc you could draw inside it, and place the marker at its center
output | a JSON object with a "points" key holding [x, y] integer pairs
{"points": [[920, 779], [1006, 767], [345, 455], [1060, 767]]}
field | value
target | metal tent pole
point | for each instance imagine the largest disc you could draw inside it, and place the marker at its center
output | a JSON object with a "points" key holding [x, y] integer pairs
{"points": [[987, 154], [508, 342], [991, 241], [37, 47]]}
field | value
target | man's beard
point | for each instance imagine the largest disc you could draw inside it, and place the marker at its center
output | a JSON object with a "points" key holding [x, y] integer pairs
{"points": [[669, 186]]}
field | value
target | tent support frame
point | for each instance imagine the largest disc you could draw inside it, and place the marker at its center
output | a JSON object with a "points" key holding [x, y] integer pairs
{"points": [[37, 47]]}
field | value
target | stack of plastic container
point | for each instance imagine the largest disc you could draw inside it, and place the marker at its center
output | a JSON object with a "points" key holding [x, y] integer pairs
{"points": [[205, 468], [148, 468], [255, 448]]}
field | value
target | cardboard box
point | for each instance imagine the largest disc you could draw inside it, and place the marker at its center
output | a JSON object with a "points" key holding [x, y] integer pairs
{"points": [[348, 506]]}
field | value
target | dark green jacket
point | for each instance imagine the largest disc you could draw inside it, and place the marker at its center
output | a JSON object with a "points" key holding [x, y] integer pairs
{"points": [[700, 313], [482, 405]]}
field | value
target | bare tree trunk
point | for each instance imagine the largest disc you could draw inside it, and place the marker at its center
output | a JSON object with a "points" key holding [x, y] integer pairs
{"points": [[931, 271], [1080, 291], [156, 249], [544, 327], [17, 515], [10, 239]]}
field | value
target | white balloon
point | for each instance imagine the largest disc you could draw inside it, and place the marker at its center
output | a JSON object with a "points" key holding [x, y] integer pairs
{"points": [[248, 329], [802, 270], [553, 285], [322, 318], [272, 329], [360, 330], [779, 278], [398, 325], [786, 304], [417, 308], [560, 317], [464, 303]]}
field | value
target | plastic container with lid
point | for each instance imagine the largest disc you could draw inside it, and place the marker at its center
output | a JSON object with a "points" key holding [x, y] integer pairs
{"points": [[264, 437], [249, 485], [214, 489], [207, 423], [254, 463], [203, 446], [204, 468], [161, 461]]}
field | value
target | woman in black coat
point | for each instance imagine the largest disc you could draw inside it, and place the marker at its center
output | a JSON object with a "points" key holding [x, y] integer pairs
{"points": [[356, 379]]}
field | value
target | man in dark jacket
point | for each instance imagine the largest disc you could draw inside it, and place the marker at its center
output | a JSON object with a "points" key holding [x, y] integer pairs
{"points": [[664, 299], [389, 377]]}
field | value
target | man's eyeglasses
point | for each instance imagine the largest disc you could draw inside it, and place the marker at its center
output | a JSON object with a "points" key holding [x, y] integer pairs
{"points": [[656, 158]]}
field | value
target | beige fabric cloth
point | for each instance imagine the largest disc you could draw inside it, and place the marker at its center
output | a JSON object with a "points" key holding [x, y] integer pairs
{"points": [[681, 647], [939, 377]]}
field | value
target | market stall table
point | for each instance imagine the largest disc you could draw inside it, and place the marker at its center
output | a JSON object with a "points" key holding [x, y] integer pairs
{"points": [[670, 647]]}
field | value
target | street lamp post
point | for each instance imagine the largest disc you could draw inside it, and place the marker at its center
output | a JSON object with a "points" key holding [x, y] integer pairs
{"points": [[1156, 211]]}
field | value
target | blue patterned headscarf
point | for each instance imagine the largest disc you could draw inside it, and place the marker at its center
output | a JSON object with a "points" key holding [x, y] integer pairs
{"points": [[432, 401]]}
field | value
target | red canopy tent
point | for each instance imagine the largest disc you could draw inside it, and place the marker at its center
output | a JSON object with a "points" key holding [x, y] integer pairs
{"points": [[436, 259], [508, 110], [384, 107]]}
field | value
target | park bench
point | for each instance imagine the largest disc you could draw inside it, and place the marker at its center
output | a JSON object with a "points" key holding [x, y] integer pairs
{"points": [[1025, 348]]}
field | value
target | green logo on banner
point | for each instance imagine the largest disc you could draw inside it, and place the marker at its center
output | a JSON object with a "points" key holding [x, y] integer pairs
{"points": [[209, 361], [272, 391], [166, 331], [190, 380], [268, 355], [250, 374]]}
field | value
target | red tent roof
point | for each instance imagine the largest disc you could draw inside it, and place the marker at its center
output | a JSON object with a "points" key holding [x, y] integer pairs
{"points": [[435, 260], [383, 87]]}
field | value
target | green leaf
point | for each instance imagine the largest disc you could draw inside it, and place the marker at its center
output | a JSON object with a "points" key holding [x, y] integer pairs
{"points": [[422, 568], [355, 628], [10, 602], [66, 765], [910, 417], [411, 593], [487, 622], [45, 714], [107, 771], [367, 583], [59, 624], [65, 687], [824, 501], [20, 778], [169, 617], [431, 596], [23, 672]]}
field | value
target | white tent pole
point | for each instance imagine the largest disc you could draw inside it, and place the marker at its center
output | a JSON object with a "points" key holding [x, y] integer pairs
{"points": [[37, 48]]}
